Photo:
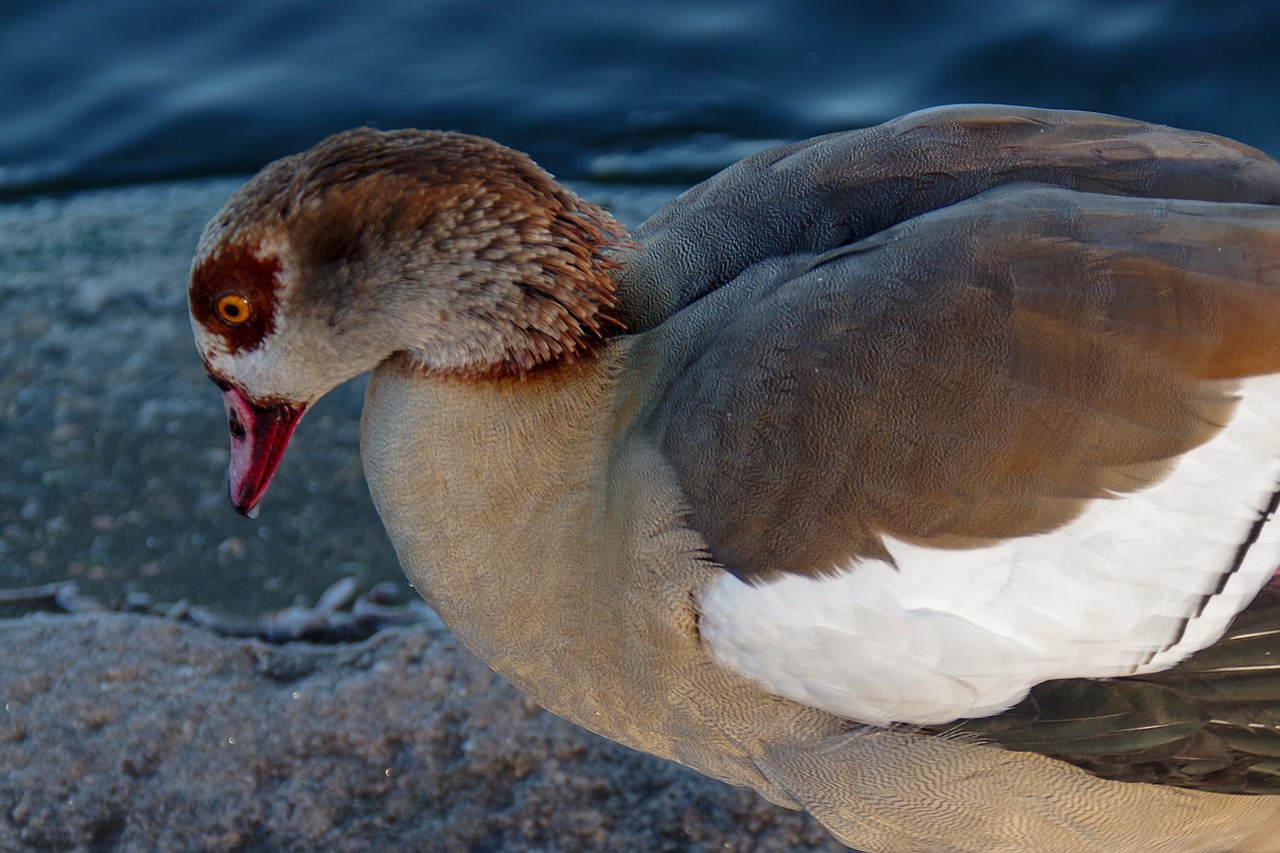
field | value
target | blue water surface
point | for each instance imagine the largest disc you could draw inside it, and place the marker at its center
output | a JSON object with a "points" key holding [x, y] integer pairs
{"points": [[96, 92]]}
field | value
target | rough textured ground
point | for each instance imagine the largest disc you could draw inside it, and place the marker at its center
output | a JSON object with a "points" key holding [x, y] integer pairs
{"points": [[128, 733]]}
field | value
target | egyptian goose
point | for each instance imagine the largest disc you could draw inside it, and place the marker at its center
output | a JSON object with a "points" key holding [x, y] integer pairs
{"points": [[920, 476]]}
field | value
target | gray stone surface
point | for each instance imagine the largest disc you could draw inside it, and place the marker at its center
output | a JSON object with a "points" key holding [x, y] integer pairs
{"points": [[130, 733]]}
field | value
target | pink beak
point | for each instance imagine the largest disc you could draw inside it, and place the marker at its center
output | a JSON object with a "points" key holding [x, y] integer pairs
{"points": [[260, 432]]}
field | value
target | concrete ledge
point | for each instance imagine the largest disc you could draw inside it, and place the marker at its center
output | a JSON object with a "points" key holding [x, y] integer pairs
{"points": [[131, 733]]}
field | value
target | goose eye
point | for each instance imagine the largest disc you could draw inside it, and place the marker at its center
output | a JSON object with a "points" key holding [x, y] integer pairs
{"points": [[233, 308]]}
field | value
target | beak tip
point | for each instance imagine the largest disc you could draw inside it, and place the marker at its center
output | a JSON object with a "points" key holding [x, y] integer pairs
{"points": [[259, 434], [248, 511], [244, 501]]}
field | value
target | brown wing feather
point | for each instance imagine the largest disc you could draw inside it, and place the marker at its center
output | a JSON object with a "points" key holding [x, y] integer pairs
{"points": [[977, 373], [819, 194], [910, 355]]}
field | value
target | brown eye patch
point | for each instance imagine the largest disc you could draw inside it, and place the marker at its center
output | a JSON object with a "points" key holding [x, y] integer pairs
{"points": [[234, 294]]}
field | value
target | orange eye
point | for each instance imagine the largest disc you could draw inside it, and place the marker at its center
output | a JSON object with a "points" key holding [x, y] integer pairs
{"points": [[233, 308]]}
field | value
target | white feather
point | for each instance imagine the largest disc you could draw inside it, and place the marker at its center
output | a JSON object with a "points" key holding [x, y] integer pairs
{"points": [[1135, 584]]}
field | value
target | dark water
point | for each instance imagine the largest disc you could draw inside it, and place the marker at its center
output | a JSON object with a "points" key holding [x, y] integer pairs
{"points": [[99, 92], [113, 447]]}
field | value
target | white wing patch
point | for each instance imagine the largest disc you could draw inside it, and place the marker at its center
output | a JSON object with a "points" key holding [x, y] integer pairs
{"points": [[1136, 584]]}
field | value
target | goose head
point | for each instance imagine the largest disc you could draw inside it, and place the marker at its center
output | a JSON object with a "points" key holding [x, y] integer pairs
{"points": [[448, 253]]}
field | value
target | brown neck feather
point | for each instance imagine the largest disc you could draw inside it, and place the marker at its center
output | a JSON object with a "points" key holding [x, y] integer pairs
{"points": [[517, 253]]}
